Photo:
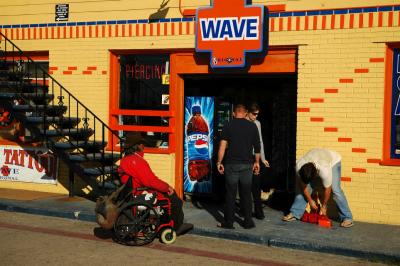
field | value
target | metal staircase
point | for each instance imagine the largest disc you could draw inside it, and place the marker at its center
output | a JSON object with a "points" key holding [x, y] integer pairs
{"points": [[52, 115]]}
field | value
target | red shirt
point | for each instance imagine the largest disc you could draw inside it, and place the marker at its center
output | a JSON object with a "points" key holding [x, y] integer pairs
{"points": [[136, 166]]}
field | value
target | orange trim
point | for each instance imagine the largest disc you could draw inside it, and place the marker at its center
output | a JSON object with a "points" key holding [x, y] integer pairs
{"points": [[315, 22], [380, 19], [390, 19], [114, 88], [345, 139], [272, 27], [360, 20], [342, 21], [114, 111], [331, 129], [332, 21], [351, 22], [144, 128], [359, 150], [345, 179], [280, 24], [371, 20], [278, 60], [323, 22], [316, 119], [306, 23], [373, 160], [387, 122], [359, 170], [303, 110], [297, 23], [189, 12]]}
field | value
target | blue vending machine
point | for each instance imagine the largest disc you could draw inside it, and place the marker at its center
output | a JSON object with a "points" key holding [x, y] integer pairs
{"points": [[198, 145]]}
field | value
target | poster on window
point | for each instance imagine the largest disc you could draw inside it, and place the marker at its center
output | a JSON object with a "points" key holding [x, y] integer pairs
{"points": [[198, 144], [28, 164], [395, 136]]}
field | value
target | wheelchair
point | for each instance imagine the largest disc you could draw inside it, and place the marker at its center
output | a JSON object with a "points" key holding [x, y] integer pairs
{"points": [[142, 216]]}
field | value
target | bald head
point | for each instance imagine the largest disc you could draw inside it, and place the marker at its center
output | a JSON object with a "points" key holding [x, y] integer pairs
{"points": [[240, 111]]}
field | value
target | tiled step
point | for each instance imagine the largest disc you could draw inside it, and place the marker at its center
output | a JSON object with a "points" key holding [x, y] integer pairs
{"points": [[75, 133], [90, 146], [97, 171], [94, 157], [51, 110], [64, 122]]}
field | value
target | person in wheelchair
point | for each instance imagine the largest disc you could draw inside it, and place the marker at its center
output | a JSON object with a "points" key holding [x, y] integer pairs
{"points": [[135, 166]]}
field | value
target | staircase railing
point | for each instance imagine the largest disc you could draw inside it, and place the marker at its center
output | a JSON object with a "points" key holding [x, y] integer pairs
{"points": [[42, 84]]}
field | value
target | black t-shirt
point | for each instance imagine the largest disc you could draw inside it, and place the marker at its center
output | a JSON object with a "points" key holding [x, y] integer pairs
{"points": [[242, 137]]}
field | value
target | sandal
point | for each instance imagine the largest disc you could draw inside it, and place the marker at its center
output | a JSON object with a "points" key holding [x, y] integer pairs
{"points": [[347, 224], [289, 218]]}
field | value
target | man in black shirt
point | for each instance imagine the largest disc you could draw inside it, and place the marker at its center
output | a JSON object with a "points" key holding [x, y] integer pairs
{"points": [[241, 142]]}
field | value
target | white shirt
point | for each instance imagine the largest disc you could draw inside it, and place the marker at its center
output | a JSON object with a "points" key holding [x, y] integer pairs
{"points": [[323, 160]]}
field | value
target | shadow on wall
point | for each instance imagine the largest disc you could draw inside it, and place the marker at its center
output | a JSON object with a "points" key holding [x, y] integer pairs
{"points": [[160, 13]]}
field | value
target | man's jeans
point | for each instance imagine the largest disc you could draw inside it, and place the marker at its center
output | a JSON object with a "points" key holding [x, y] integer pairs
{"points": [[300, 203], [235, 174]]}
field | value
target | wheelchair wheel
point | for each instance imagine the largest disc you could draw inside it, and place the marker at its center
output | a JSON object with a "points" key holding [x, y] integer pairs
{"points": [[168, 236], [136, 225]]}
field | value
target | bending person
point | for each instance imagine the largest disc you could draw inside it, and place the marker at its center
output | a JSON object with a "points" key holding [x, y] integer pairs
{"points": [[319, 166]]}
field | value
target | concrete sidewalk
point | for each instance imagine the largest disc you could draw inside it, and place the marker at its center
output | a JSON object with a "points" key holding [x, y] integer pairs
{"points": [[365, 240]]}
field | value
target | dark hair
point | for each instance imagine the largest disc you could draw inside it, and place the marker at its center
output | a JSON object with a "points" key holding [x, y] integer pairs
{"points": [[131, 149], [307, 173], [254, 107]]}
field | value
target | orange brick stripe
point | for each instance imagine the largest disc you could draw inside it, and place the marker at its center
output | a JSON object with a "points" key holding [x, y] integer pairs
{"points": [[316, 119], [53, 68], [72, 68], [345, 179], [371, 160], [331, 90], [91, 68], [377, 59], [359, 170], [317, 100], [303, 110], [67, 72], [345, 139], [346, 80], [361, 70], [86, 72], [359, 150], [331, 129]]}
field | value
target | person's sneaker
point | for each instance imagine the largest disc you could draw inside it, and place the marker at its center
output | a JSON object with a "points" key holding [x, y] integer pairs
{"points": [[259, 215], [347, 223], [289, 218], [225, 226]]}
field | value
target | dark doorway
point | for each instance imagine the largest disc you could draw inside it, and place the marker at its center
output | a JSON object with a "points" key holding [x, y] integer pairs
{"points": [[277, 98]]}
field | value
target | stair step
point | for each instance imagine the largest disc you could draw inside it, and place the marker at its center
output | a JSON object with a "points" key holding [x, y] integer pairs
{"points": [[27, 85], [50, 109], [94, 157], [77, 133], [62, 121], [96, 171], [89, 145], [33, 96]]}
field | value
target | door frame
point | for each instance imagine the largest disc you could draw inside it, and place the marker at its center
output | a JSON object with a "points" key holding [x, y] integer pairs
{"points": [[278, 61]]}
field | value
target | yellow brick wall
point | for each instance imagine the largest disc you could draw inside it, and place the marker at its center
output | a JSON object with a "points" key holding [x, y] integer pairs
{"points": [[333, 113]]}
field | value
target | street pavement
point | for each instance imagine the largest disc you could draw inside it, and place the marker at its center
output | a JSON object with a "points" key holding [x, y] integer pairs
{"points": [[364, 240]]}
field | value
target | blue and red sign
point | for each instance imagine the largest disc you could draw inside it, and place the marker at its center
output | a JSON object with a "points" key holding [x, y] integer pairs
{"points": [[228, 30]]}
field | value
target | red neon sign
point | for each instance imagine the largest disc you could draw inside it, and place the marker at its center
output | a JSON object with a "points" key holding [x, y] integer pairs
{"points": [[228, 30]]}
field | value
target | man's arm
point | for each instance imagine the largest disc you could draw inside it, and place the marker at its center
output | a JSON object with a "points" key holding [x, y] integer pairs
{"points": [[221, 154], [307, 195], [256, 165], [327, 195]]}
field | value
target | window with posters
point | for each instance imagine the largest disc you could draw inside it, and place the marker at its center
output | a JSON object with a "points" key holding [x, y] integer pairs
{"points": [[143, 99], [391, 152]]}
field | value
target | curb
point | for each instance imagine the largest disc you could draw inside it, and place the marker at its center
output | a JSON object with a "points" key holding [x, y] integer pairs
{"points": [[271, 241]]}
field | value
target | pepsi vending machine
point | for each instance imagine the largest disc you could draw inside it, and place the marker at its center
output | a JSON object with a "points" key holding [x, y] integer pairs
{"points": [[198, 144]]}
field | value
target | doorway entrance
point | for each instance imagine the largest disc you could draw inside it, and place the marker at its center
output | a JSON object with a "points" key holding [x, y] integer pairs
{"points": [[276, 94]]}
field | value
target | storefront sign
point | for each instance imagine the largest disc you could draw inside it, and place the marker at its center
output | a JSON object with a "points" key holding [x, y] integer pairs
{"points": [[27, 164], [228, 30], [62, 12]]}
